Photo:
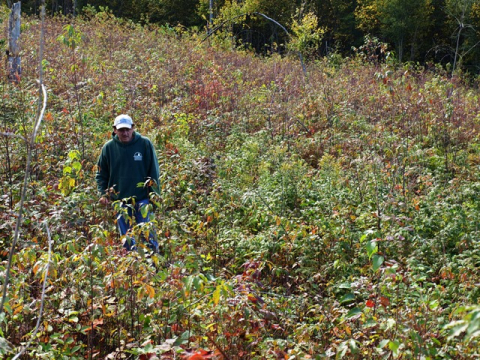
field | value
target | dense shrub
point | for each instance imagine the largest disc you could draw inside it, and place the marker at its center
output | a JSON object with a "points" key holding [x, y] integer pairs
{"points": [[332, 214]]}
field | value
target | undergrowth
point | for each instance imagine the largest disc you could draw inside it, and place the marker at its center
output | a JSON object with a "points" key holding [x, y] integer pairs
{"points": [[332, 214]]}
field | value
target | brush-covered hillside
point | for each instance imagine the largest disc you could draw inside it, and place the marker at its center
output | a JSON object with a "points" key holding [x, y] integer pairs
{"points": [[326, 213]]}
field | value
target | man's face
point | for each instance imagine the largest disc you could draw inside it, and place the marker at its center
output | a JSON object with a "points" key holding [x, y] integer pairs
{"points": [[125, 135]]}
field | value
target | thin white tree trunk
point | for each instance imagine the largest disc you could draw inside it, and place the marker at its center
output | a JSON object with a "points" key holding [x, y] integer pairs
{"points": [[13, 61]]}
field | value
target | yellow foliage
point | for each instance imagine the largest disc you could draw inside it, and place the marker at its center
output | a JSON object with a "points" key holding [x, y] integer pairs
{"points": [[306, 34]]}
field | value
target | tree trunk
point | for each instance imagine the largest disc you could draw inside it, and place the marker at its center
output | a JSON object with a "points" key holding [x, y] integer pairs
{"points": [[13, 62], [400, 50]]}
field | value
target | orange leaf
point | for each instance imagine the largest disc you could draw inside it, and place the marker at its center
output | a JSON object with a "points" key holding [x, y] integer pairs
{"points": [[384, 301], [150, 291], [96, 322], [18, 309]]}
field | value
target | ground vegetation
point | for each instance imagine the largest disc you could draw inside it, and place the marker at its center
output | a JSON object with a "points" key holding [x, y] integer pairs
{"points": [[324, 211]]}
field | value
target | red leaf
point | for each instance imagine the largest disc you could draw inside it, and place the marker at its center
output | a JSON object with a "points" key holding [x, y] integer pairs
{"points": [[146, 356], [197, 356], [370, 304]]}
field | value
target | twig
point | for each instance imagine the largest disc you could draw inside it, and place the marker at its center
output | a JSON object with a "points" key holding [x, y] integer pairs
{"points": [[210, 33], [40, 113], [218, 347], [39, 320], [270, 209], [22, 199], [13, 135]]}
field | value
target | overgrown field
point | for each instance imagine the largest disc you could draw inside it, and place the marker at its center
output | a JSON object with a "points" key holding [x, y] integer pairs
{"points": [[332, 214]]}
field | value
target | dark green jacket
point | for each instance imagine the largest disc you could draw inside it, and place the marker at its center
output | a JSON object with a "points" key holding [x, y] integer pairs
{"points": [[123, 166]]}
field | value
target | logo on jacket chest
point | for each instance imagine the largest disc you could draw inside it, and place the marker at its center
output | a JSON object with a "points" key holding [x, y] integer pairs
{"points": [[137, 156]]}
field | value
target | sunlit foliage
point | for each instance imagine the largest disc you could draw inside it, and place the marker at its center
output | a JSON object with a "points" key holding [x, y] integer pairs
{"points": [[326, 214]]}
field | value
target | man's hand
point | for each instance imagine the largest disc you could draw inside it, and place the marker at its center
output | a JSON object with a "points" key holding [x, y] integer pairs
{"points": [[104, 200]]}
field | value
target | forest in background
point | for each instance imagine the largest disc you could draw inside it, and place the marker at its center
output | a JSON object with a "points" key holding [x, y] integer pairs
{"points": [[419, 31], [325, 212]]}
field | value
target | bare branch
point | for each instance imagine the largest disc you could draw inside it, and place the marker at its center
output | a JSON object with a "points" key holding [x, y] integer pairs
{"points": [[473, 47], [40, 118], [27, 172], [12, 135], [210, 33]]}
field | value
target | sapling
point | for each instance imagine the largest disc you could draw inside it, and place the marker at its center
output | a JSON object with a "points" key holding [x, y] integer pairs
{"points": [[72, 38]]}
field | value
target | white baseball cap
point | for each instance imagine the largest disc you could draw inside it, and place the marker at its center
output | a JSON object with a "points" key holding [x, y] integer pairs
{"points": [[123, 121]]}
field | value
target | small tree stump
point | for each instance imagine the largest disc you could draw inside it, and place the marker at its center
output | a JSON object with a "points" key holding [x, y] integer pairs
{"points": [[13, 53]]}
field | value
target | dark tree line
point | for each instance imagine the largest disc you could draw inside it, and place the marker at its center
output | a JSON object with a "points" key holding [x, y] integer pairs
{"points": [[440, 31]]}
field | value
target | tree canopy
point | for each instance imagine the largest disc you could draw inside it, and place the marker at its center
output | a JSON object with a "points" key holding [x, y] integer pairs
{"points": [[445, 31]]}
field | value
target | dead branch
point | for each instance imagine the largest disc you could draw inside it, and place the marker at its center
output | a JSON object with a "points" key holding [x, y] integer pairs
{"points": [[12, 135]]}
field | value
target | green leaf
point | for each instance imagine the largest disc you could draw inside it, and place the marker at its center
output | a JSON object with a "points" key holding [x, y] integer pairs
{"points": [[353, 312], [182, 339], [345, 285], [74, 155], [347, 298], [352, 344], [372, 248], [144, 211], [341, 350], [377, 261], [77, 166], [198, 284], [4, 346], [394, 346], [457, 328], [369, 323], [383, 343], [390, 323], [7, 308]]}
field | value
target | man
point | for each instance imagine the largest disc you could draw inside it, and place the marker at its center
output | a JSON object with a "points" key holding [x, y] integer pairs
{"points": [[125, 161]]}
